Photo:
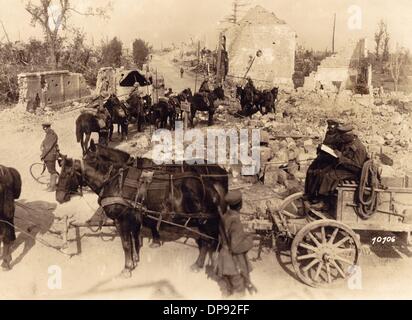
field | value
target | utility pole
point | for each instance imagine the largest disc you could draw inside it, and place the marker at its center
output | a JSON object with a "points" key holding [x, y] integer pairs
{"points": [[5, 32], [333, 34], [237, 6]]}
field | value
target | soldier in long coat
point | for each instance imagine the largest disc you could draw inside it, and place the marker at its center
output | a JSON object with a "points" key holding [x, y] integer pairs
{"points": [[351, 156], [233, 266], [49, 154]]}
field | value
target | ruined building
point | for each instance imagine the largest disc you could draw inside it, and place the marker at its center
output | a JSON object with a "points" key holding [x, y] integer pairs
{"points": [[262, 47], [348, 69], [50, 89]]}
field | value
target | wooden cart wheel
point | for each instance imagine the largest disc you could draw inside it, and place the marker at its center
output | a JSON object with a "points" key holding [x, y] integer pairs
{"points": [[324, 252], [292, 207]]}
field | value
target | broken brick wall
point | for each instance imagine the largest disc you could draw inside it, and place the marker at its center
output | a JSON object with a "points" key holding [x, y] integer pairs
{"points": [[341, 71], [50, 89]]}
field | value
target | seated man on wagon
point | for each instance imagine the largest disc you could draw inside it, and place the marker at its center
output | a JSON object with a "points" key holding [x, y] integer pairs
{"points": [[344, 160]]}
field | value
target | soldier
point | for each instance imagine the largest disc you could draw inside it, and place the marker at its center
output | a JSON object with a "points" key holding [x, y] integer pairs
{"points": [[49, 154], [204, 87], [322, 162], [233, 266], [103, 117], [351, 155], [182, 71]]}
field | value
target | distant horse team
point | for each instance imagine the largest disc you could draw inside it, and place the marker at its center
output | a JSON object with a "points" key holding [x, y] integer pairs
{"points": [[253, 100]]}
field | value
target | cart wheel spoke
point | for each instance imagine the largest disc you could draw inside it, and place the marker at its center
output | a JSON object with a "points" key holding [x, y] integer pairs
{"points": [[322, 230], [346, 250], [310, 265], [308, 246], [317, 243], [288, 214], [328, 273], [342, 241], [306, 256], [318, 270], [338, 268], [333, 236], [339, 258]]}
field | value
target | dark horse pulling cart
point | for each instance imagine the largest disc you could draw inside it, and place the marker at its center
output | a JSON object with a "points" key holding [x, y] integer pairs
{"points": [[185, 198]]}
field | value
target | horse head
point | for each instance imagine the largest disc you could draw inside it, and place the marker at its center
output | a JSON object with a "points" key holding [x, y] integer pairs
{"points": [[70, 179]]}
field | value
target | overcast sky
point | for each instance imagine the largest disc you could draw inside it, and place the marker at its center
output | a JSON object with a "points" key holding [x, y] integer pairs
{"points": [[166, 21]]}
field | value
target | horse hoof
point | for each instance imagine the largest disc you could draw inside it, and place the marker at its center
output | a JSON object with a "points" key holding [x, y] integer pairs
{"points": [[195, 268], [5, 267], [126, 274], [154, 245]]}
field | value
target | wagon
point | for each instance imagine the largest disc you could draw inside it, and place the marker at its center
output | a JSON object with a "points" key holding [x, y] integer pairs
{"points": [[325, 247]]}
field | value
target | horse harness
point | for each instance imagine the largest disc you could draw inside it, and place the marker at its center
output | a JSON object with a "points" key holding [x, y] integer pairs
{"points": [[141, 186]]}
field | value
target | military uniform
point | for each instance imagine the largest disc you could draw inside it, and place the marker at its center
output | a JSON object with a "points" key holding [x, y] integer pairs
{"points": [[49, 154], [351, 157], [233, 266], [322, 163], [323, 180], [204, 87]]}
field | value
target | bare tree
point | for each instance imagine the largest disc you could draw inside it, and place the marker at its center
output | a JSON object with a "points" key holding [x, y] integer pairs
{"points": [[396, 61], [53, 17]]}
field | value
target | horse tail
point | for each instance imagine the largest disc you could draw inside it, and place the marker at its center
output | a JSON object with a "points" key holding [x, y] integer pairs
{"points": [[16, 183], [79, 131]]}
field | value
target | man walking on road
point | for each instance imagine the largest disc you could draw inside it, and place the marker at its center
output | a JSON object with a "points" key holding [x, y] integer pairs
{"points": [[49, 154], [182, 71]]}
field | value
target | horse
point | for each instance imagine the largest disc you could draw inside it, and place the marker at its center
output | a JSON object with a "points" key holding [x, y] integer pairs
{"points": [[10, 190], [135, 105], [265, 100], [201, 102], [121, 159], [162, 113], [246, 97], [86, 124], [118, 114], [194, 200]]}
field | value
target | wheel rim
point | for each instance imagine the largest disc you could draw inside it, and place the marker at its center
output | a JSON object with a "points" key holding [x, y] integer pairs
{"points": [[324, 252]]}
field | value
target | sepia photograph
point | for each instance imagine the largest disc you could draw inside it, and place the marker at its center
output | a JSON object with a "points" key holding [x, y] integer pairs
{"points": [[220, 150]]}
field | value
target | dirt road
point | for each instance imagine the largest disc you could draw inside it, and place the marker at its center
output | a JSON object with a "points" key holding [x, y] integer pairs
{"points": [[162, 273]]}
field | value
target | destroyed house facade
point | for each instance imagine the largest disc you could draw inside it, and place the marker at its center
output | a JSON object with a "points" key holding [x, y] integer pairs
{"points": [[261, 47]]}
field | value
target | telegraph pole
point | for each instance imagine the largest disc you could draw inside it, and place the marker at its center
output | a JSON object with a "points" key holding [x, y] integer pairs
{"points": [[333, 34]]}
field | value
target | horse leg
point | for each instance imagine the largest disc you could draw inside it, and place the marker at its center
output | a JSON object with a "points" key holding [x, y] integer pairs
{"points": [[200, 262], [192, 116], [210, 121], [6, 256], [123, 228], [155, 238], [111, 131], [86, 142], [136, 238]]}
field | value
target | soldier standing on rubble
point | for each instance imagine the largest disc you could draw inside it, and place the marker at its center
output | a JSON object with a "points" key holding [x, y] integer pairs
{"points": [[233, 266], [49, 154]]}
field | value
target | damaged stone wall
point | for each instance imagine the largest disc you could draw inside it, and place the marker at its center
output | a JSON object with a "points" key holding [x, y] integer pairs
{"points": [[50, 89], [343, 70], [261, 30]]}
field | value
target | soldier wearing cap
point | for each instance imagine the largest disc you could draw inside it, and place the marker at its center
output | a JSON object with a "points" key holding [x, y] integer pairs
{"points": [[233, 266], [49, 154], [351, 155], [323, 162]]}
